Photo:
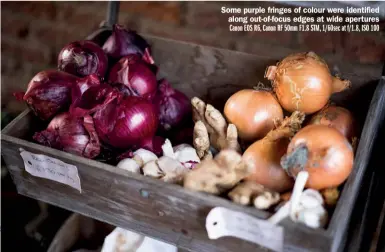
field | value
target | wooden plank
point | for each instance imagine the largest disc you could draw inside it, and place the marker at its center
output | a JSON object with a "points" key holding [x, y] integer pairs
{"points": [[19, 126], [339, 222], [367, 218], [166, 212]]}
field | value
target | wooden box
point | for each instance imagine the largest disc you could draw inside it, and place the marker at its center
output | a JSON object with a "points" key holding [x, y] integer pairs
{"points": [[169, 212]]}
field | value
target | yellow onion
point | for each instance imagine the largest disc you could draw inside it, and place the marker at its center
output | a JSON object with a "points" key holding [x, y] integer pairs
{"points": [[339, 118], [253, 112], [302, 82], [265, 155], [323, 152]]}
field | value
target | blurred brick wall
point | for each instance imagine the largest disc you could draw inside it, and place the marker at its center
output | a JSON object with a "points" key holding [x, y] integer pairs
{"points": [[34, 32]]}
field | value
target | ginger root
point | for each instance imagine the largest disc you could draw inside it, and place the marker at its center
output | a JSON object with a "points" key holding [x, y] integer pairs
{"points": [[249, 191], [202, 141], [212, 129], [218, 175]]}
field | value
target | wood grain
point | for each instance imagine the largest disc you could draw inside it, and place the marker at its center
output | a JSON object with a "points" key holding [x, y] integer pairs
{"points": [[163, 211], [169, 212], [339, 222]]}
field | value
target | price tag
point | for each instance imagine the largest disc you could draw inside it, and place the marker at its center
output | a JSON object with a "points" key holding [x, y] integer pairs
{"points": [[51, 168], [222, 222]]}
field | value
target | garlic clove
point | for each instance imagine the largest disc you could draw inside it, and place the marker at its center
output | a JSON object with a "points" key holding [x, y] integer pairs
{"points": [[143, 156], [168, 151], [185, 153], [311, 198], [151, 169], [129, 164], [181, 147], [173, 169], [313, 217], [166, 169]]}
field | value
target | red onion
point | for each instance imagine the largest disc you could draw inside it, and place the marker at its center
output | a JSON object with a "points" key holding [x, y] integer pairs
{"points": [[154, 145], [136, 75], [174, 106], [123, 42], [89, 95], [82, 58], [126, 123], [71, 134], [49, 92], [122, 89]]}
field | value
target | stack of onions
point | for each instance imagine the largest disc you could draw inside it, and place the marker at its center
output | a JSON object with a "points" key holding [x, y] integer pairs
{"points": [[124, 110], [302, 83]]}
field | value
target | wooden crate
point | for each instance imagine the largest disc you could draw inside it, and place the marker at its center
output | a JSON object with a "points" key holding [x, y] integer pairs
{"points": [[368, 217], [169, 212]]}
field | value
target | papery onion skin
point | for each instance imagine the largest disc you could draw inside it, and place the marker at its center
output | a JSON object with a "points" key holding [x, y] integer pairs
{"points": [[82, 58], [90, 95], [253, 113], [337, 117], [71, 134], [126, 123], [49, 92], [123, 42], [122, 89], [136, 75], [174, 107], [266, 156], [302, 82], [328, 156]]}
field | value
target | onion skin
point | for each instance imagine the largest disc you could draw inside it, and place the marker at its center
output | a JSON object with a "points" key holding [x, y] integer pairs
{"points": [[90, 95], [126, 123], [135, 74], [323, 152], [266, 154], [82, 58], [49, 92], [336, 117], [174, 106], [253, 113], [302, 82], [124, 42], [71, 134]]}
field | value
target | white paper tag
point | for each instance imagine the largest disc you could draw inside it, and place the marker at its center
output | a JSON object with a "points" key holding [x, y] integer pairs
{"points": [[51, 168], [224, 222]]}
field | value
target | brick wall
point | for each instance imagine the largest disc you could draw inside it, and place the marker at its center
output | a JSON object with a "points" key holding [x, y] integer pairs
{"points": [[34, 32]]}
